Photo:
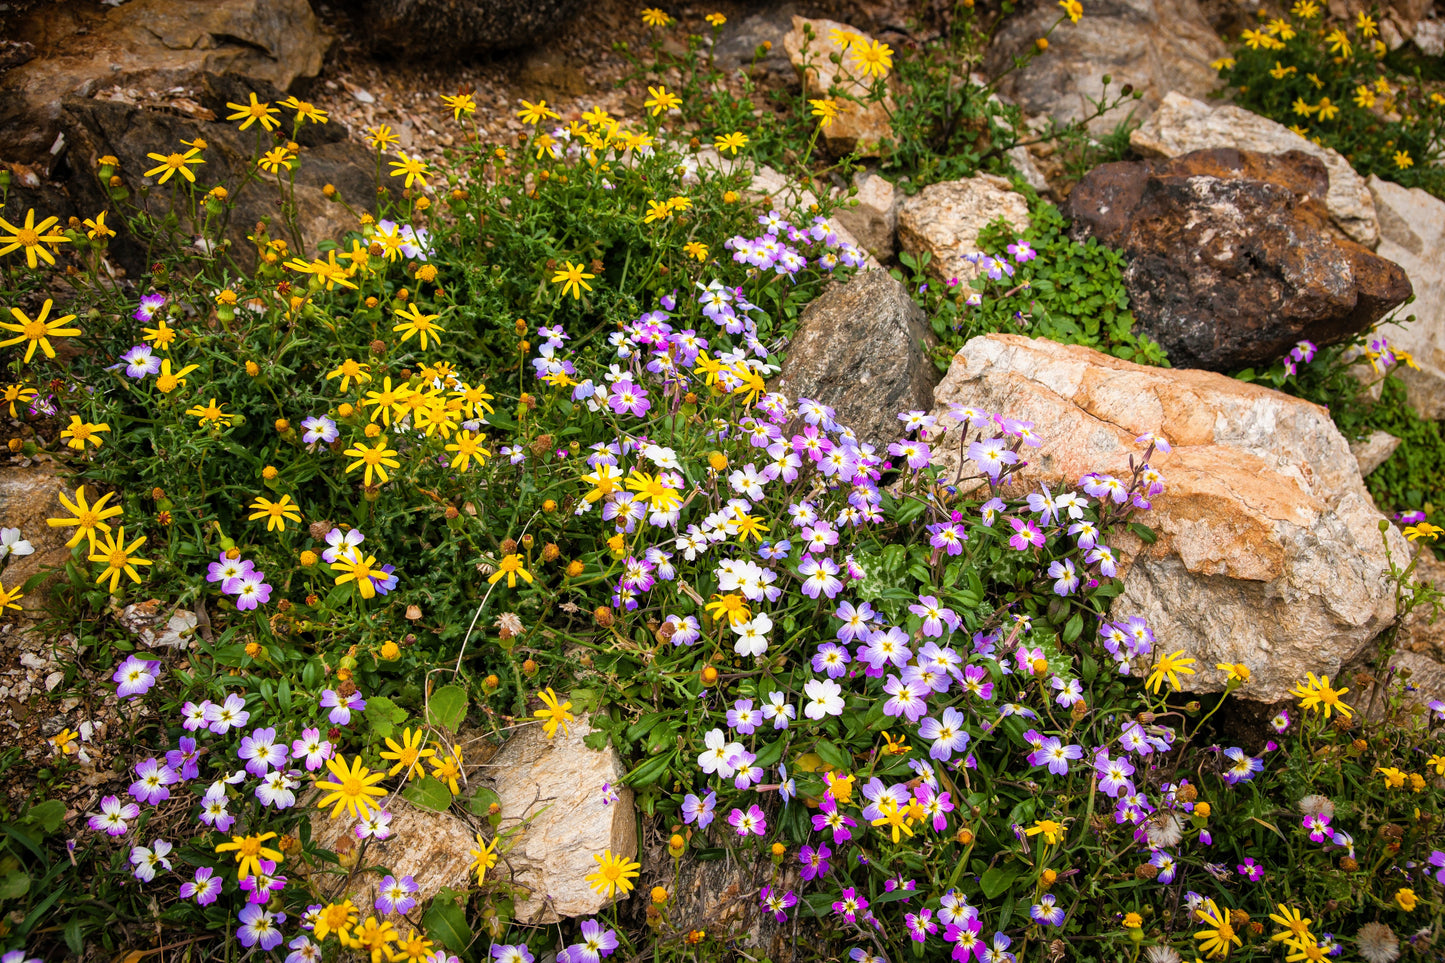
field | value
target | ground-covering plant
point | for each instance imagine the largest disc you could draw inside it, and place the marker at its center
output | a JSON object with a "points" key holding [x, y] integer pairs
{"points": [[1331, 81], [1039, 282], [504, 454]]}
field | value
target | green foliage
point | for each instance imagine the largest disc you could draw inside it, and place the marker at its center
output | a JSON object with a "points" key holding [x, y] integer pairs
{"points": [[1334, 83], [1070, 292]]}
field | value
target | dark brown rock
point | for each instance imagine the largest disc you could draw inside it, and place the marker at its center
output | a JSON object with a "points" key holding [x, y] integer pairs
{"points": [[862, 348], [96, 128], [144, 46], [1232, 255], [432, 30]]}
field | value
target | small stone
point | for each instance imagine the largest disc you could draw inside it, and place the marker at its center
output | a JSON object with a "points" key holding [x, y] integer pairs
{"points": [[944, 220], [363, 95], [858, 127], [873, 220], [1374, 451]]}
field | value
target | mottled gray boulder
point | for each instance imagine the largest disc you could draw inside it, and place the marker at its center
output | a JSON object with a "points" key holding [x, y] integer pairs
{"points": [[432, 30], [863, 349], [1412, 234], [1155, 45]]}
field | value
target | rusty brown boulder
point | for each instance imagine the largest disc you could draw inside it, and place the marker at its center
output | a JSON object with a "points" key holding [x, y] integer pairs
{"points": [[1232, 255]]}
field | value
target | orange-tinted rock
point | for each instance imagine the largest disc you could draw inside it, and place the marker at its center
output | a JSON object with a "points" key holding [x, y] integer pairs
{"points": [[1232, 255], [1269, 550]]}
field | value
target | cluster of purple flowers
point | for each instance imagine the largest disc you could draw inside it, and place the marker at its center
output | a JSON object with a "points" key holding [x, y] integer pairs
{"points": [[241, 578]]}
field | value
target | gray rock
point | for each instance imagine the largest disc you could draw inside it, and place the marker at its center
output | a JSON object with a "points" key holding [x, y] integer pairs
{"points": [[1372, 452], [444, 30], [96, 128], [737, 47], [1269, 549], [863, 349], [1156, 45], [1182, 125], [556, 785], [1412, 234], [871, 215], [156, 44], [944, 220]]}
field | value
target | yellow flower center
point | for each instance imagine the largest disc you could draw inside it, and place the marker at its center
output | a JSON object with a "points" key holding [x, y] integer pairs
{"points": [[611, 872], [118, 559], [87, 519], [250, 846], [166, 383], [27, 237], [81, 432], [1225, 931], [353, 786], [35, 330], [175, 161]]}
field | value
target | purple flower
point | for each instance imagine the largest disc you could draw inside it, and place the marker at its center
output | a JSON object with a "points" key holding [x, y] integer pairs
{"points": [[152, 778], [114, 816], [319, 428], [628, 398], [1319, 826], [260, 885], [1053, 753], [991, 456], [820, 576], [204, 889], [140, 361], [221, 718], [1044, 911], [259, 927], [1066, 579], [596, 943], [815, 861], [850, 904], [751, 822], [698, 810], [260, 752], [777, 903], [251, 590], [136, 676], [341, 708], [831, 817], [1244, 766], [947, 734], [1437, 859], [1250, 869], [184, 760], [1022, 252], [149, 305], [397, 895]]}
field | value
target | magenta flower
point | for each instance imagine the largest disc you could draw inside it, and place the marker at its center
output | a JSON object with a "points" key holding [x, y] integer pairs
{"points": [[752, 822], [628, 398], [152, 778], [341, 708], [850, 904], [1054, 754], [1044, 911], [205, 889], [1249, 868], [1026, 534], [135, 677], [259, 927], [815, 861]]}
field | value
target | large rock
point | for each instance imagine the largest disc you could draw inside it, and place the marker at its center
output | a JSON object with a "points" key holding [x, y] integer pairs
{"points": [[447, 30], [1373, 450], [1231, 256], [1269, 550], [811, 46], [944, 220], [1182, 125], [1412, 234], [155, 44], [863, 349], [1155, 45], [557, 784], [28, 496], [97, 127], [433, 848]]}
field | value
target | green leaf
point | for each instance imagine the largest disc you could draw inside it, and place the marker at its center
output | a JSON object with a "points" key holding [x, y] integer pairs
{"points": [[47, 815], [997, 881], [14, 884], [378, 715], [596, 741], [832, 755], [1145, 533], [1073, 628], [447, 707], [429, 792], [482, 800], [446, 922]]}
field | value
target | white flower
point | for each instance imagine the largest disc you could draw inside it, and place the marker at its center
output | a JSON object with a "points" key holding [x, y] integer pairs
{"points": [[826, 696], [662, 457], [12, 544], [716, 758], [753, 635]]}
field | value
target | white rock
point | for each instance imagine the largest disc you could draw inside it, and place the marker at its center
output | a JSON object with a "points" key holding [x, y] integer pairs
{"points": [[1372, 452], [1269, 550], [557, 785], [1412, 234], [945, 219], [1182, 124]]}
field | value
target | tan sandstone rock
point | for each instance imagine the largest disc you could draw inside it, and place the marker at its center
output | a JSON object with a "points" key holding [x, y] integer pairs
{"points": [[556, 787], [1182, 125], [871, 215], [945, 219], [1269, 550], [433, 848], [28, 496], [1412, 234], [858, 127]]}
